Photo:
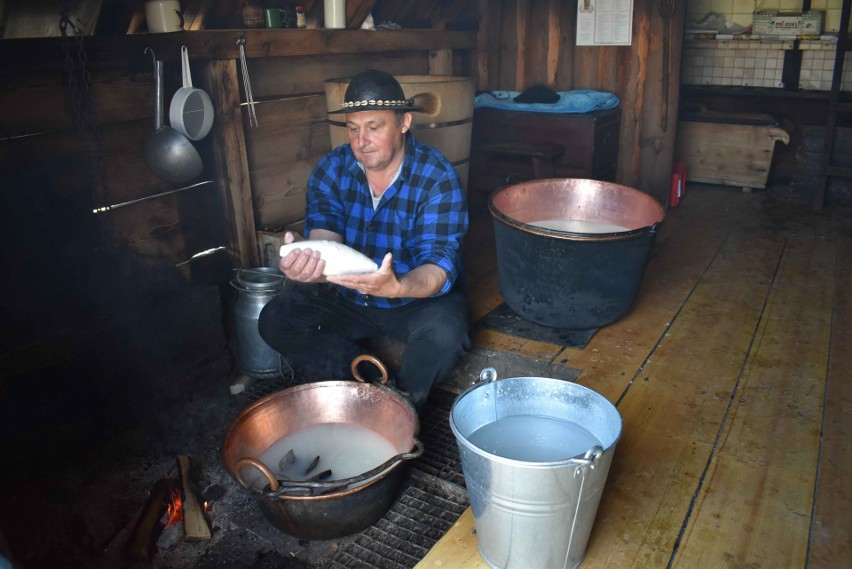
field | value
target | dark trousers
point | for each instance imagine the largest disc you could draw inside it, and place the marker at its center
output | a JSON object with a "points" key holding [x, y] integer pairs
{"points": [[316, 331]]}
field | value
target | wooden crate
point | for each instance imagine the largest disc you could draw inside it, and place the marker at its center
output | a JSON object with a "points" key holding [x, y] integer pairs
{"points": [[733, 149]]}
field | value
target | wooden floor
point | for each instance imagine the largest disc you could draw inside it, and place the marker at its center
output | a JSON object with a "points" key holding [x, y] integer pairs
{"points": [[733, 375]]}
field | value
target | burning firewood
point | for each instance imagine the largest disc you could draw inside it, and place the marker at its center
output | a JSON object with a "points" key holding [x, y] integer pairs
{"points": [[141, 544], [195, 524]]}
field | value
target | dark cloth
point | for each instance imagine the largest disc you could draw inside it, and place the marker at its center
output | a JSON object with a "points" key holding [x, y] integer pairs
{"points": [[316, 331], [422, 217], [538, 94]]}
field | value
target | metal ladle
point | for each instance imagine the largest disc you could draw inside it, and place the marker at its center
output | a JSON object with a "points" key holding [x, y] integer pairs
{"points": [[168, 153]]}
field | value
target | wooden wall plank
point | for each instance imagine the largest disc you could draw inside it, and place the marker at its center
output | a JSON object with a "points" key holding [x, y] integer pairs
{"points": [[507, 49], [554, 37], [291, 138], [487, 44], [831, 524], [278, 77], [766, 464], [41, 103], [522, 15], [632, 91]]}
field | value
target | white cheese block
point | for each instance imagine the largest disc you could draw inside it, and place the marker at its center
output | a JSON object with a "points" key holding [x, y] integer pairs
{"points": [[339, 259]]}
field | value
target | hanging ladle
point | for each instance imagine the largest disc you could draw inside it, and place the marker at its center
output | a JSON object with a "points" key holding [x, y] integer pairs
{"points": [[168, 153]]}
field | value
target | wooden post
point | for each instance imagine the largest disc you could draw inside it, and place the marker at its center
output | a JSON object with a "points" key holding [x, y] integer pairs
{"points": [[229, 150]]}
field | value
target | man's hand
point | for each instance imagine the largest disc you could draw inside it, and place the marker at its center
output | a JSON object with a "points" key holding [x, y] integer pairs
{"points": [[383, 282], [302, 265], [424, 281]]}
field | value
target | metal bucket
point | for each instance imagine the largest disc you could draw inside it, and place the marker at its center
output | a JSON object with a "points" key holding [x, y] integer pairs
{"points": [[256, 287], [534, 513]]}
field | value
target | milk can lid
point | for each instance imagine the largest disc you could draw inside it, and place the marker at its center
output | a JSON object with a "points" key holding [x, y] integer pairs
{"points": [[259, 279]]}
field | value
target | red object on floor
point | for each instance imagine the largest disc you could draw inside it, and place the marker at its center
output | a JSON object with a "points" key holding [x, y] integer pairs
{"points": [[678, 187]]}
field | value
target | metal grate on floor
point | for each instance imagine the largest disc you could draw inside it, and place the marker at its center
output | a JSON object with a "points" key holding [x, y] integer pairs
{"points": [[432, 500], [425, 510], [440, 456]]}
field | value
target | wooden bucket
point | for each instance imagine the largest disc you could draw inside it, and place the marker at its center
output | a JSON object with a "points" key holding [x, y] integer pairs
{"points": [[449, 131]]}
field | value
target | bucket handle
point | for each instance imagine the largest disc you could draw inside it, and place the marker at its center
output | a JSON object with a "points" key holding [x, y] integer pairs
{"points": [[487, 375], [589, 460], [304, 488], [373, 360]]}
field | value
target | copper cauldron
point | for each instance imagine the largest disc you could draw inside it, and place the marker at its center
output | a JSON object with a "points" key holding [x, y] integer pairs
{"points": [[334, 508], [553, 269]]}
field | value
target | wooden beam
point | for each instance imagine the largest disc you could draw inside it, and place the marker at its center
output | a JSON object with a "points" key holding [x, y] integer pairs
{"points": [[114, 51], [232, 172]]}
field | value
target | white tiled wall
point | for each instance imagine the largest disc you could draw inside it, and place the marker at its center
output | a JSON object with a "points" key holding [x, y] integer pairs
{"points": [[755, 63], [818, 67]]}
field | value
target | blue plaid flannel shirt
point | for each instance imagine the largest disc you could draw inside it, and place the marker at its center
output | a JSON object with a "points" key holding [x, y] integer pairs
{"points": [[422, 217]]}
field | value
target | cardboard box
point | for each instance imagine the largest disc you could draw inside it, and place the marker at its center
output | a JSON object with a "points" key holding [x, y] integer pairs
{"points": [[774, 23]]}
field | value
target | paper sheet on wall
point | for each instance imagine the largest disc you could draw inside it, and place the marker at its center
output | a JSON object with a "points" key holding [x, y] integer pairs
{"points": [[604, 22]]}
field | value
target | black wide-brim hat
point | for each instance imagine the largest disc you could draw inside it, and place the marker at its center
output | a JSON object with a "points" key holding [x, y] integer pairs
{"points": [[375, 90]]}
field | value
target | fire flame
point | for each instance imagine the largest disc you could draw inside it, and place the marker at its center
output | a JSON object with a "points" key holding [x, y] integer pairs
{"points": [[174, 509]]}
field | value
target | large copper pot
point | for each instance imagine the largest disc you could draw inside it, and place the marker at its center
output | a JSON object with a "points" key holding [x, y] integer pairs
{"points": [[329, 509], [572, 279]]}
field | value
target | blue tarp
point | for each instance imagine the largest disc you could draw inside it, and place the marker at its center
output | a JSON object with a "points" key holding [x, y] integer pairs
{"points": [[579, 101]]}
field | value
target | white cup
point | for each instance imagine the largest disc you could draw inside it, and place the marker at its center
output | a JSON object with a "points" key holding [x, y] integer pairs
{"points": [[335, 14], [163, 16]]}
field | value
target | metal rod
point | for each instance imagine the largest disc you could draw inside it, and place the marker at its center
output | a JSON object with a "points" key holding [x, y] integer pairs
{"points": [[104, 209]]}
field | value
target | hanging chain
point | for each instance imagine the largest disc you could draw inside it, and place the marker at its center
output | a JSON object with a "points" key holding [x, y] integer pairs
{"points": [[84, 116]]}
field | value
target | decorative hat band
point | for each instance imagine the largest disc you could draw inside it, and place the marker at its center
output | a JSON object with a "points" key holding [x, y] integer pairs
{"points": [[380, 103]]}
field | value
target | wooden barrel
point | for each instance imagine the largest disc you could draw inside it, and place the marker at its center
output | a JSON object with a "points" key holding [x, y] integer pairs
{"points": [[449, 131]]}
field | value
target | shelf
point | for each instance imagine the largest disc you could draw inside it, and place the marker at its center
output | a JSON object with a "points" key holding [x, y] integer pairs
{"points": [[116, 51], [761, 92]]}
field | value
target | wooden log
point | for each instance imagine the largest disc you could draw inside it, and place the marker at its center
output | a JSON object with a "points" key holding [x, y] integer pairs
{"points": [[195, 526], [140, 546]]}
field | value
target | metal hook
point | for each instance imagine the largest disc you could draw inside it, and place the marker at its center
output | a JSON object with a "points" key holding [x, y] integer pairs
{"points": [[153, 56]]}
